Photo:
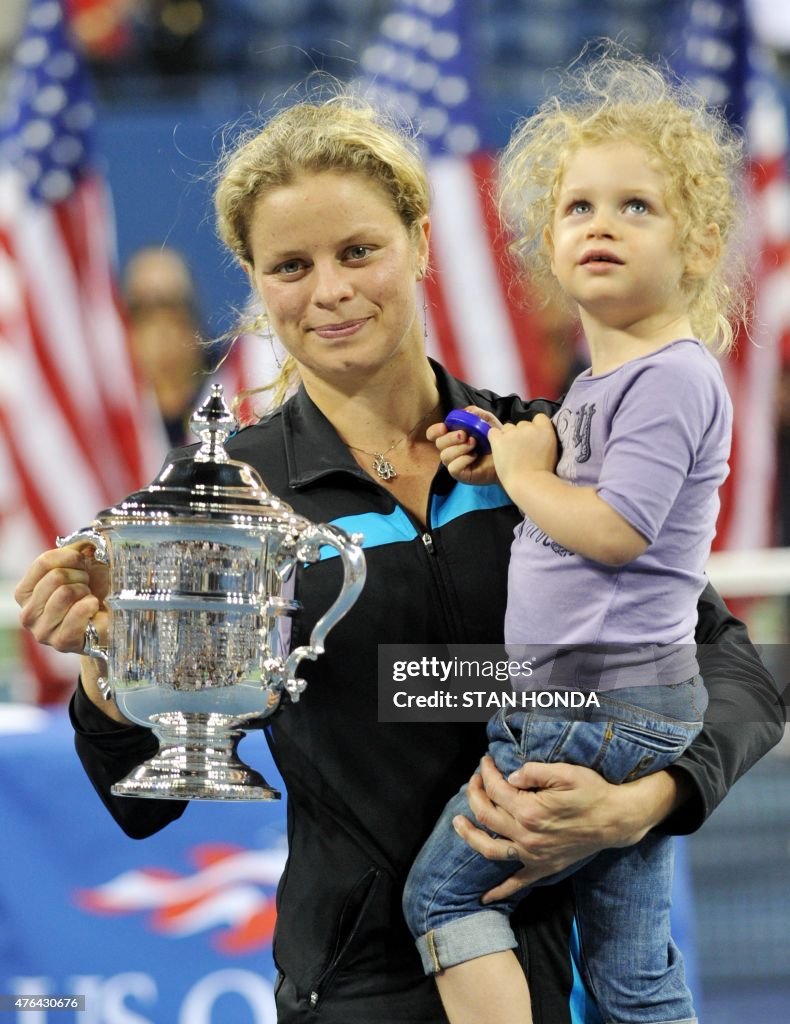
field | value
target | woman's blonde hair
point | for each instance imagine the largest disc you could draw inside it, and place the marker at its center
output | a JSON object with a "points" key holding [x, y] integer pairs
{"points": [[619, 96], [343, 133]]}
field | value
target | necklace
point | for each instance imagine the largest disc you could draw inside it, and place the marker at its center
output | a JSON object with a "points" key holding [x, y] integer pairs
{"points": [[382, 466]]}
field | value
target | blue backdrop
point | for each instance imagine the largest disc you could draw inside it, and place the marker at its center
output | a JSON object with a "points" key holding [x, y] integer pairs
{"points": [[159, 166], [175, 929]]}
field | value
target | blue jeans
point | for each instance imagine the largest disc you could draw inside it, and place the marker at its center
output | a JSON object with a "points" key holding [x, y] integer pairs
{"points": [[631, 965]]}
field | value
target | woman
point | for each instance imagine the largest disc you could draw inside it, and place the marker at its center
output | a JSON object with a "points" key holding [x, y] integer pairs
{"points": [[326, 210]]}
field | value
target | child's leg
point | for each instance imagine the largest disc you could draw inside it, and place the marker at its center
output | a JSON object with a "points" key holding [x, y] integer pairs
{"points": [[465, 945], [487, 990], [634, 969], [623, 896], [441, 898]]}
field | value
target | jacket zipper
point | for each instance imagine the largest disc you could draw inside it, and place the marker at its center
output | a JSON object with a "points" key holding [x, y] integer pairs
{"points": [[325, 979]]}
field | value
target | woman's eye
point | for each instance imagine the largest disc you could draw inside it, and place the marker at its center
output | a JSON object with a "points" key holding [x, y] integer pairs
{"points": [[289, 268], [358, 252]]}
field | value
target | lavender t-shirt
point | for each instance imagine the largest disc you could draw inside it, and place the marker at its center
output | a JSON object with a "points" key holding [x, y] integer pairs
{"points": [[653, 438]]}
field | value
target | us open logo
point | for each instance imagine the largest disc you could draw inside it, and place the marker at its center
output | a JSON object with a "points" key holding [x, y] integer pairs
{"points": [[229, 895]]}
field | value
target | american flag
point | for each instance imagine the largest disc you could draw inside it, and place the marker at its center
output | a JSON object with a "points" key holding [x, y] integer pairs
{"points": [[73, 429], [720, 56]]}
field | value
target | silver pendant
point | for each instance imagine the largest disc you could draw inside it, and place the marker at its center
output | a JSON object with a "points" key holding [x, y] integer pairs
{"points": [[383, 467]]}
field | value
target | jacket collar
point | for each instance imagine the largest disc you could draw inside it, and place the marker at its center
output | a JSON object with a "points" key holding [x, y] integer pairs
{"points": [[313, 448]]}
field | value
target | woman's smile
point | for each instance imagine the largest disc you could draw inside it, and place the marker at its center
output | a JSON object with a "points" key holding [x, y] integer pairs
{"points": [[342, 330]]}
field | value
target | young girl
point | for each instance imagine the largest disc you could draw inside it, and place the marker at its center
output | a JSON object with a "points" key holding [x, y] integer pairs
{"points": [[624, 194]]}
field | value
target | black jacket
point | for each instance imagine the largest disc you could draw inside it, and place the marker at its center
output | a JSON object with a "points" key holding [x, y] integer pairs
{"points": [[363, 795]]}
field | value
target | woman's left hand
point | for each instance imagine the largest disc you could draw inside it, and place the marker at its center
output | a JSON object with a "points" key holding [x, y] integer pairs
{"points": [[550, 816]]}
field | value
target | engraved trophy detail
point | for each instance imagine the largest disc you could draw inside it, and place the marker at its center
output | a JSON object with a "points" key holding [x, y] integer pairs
{"points": [[201, 564]]}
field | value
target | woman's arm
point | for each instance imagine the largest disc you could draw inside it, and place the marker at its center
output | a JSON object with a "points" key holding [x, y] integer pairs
{"points": [[108, 751], [550, 816], [745, 718]]}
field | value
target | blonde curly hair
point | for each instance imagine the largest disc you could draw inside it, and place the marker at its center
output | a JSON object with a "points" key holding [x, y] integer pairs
{"points": [[343, 133], [620, 96]]}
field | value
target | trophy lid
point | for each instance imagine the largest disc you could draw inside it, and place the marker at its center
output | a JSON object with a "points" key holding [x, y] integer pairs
{"points": [[205, 483]]}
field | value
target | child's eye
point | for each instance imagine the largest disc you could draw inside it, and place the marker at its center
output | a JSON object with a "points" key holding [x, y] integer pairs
{"points": [[637, 206], [579, 206]]}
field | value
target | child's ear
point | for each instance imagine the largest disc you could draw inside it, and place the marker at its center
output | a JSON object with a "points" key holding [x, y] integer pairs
{"points": [[548, 241], [704, 252]]}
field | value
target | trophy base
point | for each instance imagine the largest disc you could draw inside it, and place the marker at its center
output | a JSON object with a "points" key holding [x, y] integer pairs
{"points": [[197, 760]]}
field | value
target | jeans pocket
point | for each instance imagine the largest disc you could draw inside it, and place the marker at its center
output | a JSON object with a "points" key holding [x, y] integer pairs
{"points": [[668, 744], [635, 750]]}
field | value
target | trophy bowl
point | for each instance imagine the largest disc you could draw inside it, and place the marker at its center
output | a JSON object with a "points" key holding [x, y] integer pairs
{"points": [[201, 572]]}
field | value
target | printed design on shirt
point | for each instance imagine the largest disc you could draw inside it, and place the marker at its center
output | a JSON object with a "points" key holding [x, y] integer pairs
{"points": [[530, 531], [574, 431], [581, 431]]}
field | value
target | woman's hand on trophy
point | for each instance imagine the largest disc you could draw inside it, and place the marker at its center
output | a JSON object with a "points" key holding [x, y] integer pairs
{"points": [[60, 594]]}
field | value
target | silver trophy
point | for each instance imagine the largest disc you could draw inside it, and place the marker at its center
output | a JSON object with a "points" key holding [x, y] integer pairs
{"points": [[201, 569]]}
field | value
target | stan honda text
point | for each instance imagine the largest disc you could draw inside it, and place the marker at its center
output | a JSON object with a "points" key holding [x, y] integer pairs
{"points": [[523, 700]]}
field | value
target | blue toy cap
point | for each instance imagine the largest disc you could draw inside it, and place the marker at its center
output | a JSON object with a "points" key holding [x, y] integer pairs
{"points": [[460, 419]]}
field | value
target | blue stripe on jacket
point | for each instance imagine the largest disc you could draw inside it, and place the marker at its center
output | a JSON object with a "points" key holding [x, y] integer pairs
{"points": [[464, 498], [397, 528], [376, 529], [582, 1006]]}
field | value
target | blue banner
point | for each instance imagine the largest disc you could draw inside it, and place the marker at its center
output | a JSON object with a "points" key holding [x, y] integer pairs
{"points": [[174, 929]]}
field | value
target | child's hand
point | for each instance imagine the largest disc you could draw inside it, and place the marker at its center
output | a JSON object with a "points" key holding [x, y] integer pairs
{"points": [[522, 447], [457, 451]]}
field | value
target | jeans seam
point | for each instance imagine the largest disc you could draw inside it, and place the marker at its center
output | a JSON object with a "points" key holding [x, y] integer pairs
{"points": [[607, 739], [584, 966]]}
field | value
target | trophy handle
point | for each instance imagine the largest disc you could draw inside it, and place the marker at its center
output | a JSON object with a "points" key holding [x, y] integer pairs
{"points": [[89, 536], [348, 546], [101, 554]]}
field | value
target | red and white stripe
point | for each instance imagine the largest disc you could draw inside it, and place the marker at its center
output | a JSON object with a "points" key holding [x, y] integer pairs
{"points": [[748, 518], [76, 433]]}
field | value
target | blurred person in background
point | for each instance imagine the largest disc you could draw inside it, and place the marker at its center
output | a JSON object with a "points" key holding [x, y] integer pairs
{"points": [[783, 503], [166, 336]]}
